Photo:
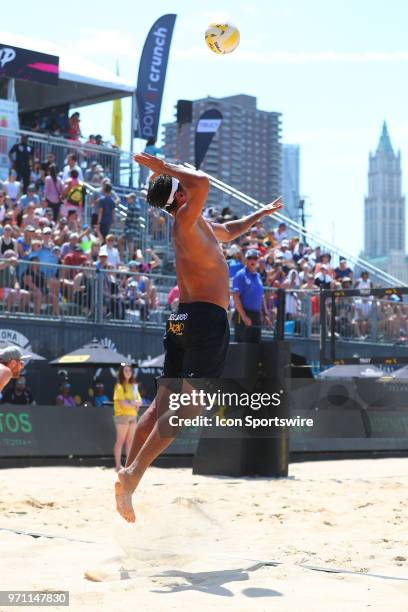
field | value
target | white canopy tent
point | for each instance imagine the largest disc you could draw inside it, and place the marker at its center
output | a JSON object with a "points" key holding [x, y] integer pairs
{"points": [[81, 82]]}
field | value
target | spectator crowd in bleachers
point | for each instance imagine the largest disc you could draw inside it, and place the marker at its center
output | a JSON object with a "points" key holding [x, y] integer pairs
{"points": [[43, 226]]}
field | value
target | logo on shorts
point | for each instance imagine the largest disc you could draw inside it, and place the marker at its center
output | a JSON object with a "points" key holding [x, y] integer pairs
{"points": [[176, 328], [178, 317]]}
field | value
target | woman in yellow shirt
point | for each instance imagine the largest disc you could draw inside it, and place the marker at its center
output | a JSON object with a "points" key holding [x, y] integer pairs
{"points": [[126, 402]]}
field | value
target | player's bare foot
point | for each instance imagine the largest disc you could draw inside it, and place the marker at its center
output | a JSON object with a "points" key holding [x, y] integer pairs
{"points": [[124, 489]]}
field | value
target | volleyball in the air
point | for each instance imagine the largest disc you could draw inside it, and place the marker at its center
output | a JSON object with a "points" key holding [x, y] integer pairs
{"points": [[222, 37]]}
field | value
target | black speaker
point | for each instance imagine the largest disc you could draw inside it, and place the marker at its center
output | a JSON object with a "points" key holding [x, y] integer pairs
{"points": [[267, 451], [218, 455], [253, 367], [184, 111]]}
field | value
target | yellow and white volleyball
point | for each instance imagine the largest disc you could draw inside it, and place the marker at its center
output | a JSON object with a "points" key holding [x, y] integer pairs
{"points": [[222, 37]]}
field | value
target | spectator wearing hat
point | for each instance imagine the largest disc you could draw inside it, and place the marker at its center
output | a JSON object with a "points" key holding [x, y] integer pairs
{"points": [[325, 260], [234, 260], [69, 247], [11, 364], [99, 398], [248, 294], [30, 196], [283, 251], [323, 279], [18, 394], [342, 270], [65, 398], [106, 210], [24, 241], [47, 256], [132, 231]]}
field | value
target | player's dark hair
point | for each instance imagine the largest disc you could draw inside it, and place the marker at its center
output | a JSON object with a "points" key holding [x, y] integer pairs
{"points": [[159, 191]]}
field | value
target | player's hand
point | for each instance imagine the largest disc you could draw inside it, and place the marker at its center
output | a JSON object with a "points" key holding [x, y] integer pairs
{"points": [[273, 207], [150, 161], [247, 321]]}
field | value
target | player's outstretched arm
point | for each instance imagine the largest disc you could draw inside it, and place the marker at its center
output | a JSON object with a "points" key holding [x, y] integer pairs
{"points": [[189, 177], [225, 232]]}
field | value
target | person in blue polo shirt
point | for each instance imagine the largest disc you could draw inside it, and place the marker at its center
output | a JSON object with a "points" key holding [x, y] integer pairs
{"points": [[248, 294]]}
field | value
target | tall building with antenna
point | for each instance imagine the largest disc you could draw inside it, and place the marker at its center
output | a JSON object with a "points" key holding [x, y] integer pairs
{"points": [[384, 210]]}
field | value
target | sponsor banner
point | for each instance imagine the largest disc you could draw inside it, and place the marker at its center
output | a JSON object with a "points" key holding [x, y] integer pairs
{"points": [[27, 65], [151, 77], [55, 431], [207, 126]]}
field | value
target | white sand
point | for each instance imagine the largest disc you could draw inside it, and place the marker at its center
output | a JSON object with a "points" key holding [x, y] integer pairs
{"points": [[203, 543]]}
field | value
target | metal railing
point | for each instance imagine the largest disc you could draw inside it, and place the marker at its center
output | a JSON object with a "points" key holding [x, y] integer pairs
{"points": [[88, 293], [91, 294]]}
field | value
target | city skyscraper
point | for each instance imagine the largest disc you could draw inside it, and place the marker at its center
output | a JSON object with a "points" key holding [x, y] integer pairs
{"points": [[291, 180], [384, 214], [245, 152], [384, 211]]}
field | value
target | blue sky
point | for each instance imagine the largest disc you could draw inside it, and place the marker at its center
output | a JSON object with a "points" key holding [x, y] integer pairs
{"points": [[335, 70]]}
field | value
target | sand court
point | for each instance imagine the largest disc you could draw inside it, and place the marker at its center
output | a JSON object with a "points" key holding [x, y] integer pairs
{"points": [[242, 544]]}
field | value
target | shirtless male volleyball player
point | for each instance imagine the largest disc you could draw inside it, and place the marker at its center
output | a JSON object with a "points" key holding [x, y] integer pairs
{"points": [[197, 336]]}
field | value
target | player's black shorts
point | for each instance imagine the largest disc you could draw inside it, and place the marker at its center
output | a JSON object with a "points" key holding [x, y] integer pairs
{"points": [[196, 341]]}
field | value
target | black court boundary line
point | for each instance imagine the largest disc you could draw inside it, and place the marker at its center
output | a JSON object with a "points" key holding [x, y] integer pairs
{"points": [[315, 568], [34, 534]]}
